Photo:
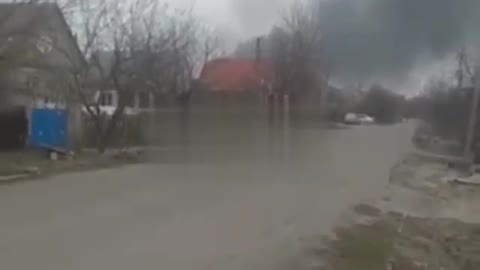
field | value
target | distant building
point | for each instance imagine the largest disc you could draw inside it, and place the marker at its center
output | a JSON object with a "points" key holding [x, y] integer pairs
{"points": [[139, 100], [234, 82], [237, 75]]}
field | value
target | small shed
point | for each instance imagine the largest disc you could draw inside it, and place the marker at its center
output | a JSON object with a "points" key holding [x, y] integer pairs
{"points": [[48, 128]]}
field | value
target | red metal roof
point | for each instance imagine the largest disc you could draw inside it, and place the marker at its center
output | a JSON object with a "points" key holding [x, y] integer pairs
{"points": [[232, 74]]}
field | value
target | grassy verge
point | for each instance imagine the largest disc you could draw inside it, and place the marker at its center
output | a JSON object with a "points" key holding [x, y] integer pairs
{"points": [[362, 247], [32, 165], [394, 242]]}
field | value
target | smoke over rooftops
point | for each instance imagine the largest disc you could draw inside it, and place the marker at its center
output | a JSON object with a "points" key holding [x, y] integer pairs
{"points": [[368, 37], [385, 39]]}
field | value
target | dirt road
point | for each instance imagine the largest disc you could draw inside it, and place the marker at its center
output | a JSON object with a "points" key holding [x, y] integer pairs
{"points": [[248, 214]]}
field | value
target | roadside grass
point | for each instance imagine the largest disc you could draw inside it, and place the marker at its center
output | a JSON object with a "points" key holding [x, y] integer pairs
{"points": [[31, 165], [421, 244], [362, 247]]}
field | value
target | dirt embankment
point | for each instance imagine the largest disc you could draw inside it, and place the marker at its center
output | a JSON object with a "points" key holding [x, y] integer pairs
{"points": [[425, 222]]}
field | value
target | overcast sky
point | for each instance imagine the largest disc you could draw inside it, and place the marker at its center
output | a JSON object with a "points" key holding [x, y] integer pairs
{"points": [[237, 19], [398, 42]]}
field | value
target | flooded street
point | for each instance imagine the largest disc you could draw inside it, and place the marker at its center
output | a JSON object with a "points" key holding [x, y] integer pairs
{"points": [[226, 193]]}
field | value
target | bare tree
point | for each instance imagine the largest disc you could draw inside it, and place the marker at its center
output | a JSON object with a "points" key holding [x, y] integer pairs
{"points": [[140, 46], [464, 70], [211, 45], [103, 42], [117, 42], [296, 51]]}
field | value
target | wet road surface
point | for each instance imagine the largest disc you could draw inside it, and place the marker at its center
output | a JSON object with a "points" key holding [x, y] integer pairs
{"points": [[237, 204]]}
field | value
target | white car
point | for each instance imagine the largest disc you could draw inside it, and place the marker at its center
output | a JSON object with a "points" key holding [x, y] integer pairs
{"points": [[358, 119], [365, 119]]}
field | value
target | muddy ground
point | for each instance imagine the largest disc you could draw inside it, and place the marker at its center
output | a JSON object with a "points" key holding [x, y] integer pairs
{"points": [[425, 221]]}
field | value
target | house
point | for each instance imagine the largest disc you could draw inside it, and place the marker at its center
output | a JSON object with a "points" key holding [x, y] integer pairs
{"points": [[36, 46], [234, 82], [39, 42], [138, 99], [236, 75]]}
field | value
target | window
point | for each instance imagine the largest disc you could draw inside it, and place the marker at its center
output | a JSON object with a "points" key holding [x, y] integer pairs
{"points": [[106, 99], [144, 99]]}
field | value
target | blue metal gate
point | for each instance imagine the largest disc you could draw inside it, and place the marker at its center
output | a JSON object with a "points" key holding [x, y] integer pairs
{"points": [[48, 128]]}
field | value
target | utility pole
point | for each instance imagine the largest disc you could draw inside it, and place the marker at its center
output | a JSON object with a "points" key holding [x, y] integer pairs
{"points": [[461, 67], [472, 123]]}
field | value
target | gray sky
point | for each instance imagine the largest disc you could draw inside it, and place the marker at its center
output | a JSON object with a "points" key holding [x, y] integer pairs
{"points": [[396, 42], [237, 19]]}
